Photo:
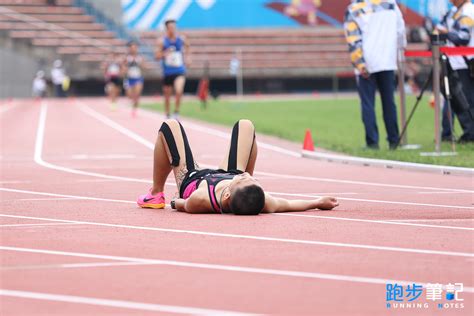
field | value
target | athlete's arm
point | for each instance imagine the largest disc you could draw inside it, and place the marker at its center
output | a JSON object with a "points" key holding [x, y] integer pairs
{"points": [[124, 67], [197, 203], [186, 52], [279, 205], [159, 54]]}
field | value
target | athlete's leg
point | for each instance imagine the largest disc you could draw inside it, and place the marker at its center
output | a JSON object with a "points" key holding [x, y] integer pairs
{"points": [[172, 152], [114, 92], [137, 92], [128, 88], [242, 153], [178, 90], [167, 91]]}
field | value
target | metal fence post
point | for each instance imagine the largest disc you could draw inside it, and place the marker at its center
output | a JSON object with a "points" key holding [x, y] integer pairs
{"points": [[401, 88], [437, 93]]}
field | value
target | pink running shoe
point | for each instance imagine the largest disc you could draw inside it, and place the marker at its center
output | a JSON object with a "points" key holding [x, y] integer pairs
{"points": [[156, 201]]}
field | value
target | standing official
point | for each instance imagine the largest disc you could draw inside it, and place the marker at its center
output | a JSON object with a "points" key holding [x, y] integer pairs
{"points": [[58, 77], [458, 25], [375, 31]]}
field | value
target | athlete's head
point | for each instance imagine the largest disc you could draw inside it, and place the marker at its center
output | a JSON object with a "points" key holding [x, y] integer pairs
{"points": [[170, 27], [132, 47], [57, 63], [245, 196]]}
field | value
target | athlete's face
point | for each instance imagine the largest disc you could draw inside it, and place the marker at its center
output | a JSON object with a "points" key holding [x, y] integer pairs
{"points": [[171, 28], [133, 49]]}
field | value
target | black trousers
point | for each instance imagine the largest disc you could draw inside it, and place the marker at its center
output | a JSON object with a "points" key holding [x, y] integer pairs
{"points": [[462, 103]]}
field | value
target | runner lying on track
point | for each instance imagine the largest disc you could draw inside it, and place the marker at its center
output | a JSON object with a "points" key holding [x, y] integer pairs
{"points": [[231, 189]]}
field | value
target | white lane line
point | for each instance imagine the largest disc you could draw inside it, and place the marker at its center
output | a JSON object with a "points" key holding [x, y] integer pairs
{"points": [[118, 303], [39, 152], [279, 214], [224, 135], [94, 180], [289, 273], [48, 199], [434, 220], [86, 109], [443, 192], [66, 196], [377, 201], [39, 224], [263, 238], [8, 107], [388, 222], [102, 157], [116, 126], [14, 182], [332, 193], [387, 185], [74, 265]]}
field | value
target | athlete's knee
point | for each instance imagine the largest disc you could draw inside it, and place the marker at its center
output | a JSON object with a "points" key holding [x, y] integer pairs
{"points": [[166, 133], [171, 123], [244, 123]]}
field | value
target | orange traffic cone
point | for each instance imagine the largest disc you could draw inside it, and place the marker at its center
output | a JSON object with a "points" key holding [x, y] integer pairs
{"points": [[432, 102], [308, 141]]}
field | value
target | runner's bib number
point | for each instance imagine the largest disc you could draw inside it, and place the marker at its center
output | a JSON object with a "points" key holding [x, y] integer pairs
{"points": [[114, 70], [134, 72], [174, 59]]}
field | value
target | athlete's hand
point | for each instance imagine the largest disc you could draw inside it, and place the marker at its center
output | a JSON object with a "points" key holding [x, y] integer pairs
{"points": [[364, 73], [327, 203], [187, 61]]}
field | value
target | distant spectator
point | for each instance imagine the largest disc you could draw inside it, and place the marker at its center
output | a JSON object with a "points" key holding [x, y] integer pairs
{"points": [[308, 8], [375, 31], [39, 85], [51, 2], [58, 76]]}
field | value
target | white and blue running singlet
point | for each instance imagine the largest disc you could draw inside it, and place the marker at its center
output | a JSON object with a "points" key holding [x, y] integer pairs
{"points": [[173, 63]]}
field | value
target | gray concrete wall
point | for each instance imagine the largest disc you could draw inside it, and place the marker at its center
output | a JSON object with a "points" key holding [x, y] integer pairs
{"points": [[16, 73], [111, 8]]}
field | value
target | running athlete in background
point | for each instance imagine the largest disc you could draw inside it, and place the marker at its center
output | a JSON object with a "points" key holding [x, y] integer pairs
{"points": [[173, 51], [231, 189], [132, 68], [113, 78]]}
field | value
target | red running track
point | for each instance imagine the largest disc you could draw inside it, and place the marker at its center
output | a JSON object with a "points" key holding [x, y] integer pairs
{"points": [[74, 242]]}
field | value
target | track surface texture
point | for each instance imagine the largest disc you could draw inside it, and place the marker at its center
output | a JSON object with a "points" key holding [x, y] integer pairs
{"points": [[73, 241]]}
